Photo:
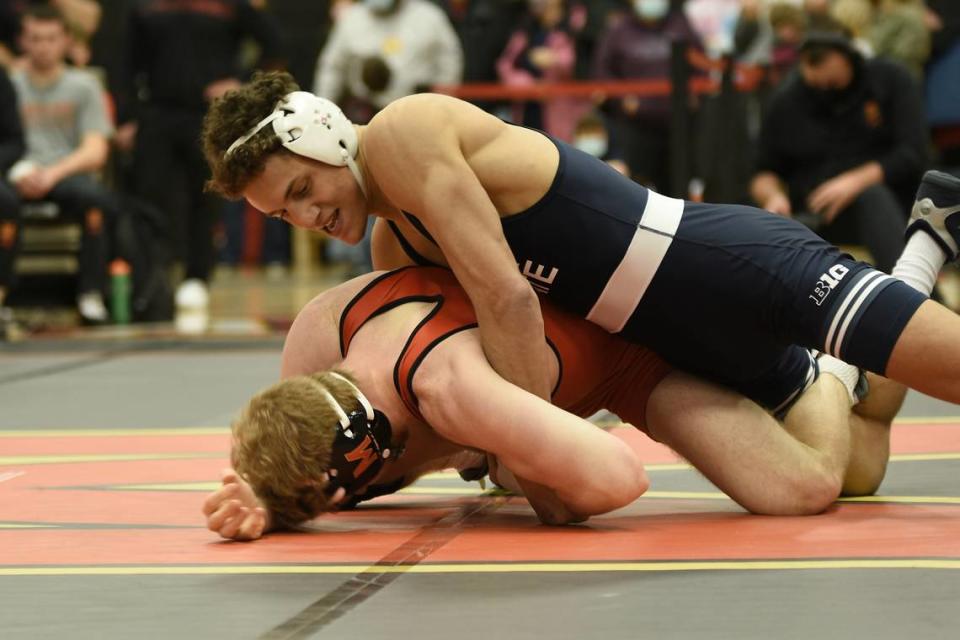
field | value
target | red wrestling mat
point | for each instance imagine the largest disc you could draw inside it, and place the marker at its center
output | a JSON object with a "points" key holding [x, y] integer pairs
{"points": [[130, 502]]}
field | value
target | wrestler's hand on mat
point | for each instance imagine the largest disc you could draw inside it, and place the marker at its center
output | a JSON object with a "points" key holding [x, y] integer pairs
{"points": [[234, 510], [548, 507]]}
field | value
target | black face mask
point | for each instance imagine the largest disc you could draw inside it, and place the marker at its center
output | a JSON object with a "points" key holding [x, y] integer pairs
{"points": [[360, 451]]}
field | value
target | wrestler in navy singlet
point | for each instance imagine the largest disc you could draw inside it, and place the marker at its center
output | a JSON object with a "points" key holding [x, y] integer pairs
{"points": [[730, 292]]}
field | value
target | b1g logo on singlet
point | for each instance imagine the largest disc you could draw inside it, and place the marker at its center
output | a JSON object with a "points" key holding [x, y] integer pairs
{"points": [[538, 281], [827, 283]]}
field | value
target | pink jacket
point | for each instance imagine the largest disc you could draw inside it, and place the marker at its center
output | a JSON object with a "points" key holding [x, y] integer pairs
{"points": [[560, 115]]}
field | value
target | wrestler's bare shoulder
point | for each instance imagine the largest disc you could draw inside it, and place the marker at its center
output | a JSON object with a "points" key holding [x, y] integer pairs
{"points": [[333, 300], [515, 165], [430, 118]]}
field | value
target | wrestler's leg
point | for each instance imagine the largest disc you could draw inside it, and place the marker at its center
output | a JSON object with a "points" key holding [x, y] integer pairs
{"points": [[746, 453], [870, 424]]}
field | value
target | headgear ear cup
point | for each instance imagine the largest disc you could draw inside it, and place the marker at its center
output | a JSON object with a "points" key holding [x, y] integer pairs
{"points": [[312, 127]]}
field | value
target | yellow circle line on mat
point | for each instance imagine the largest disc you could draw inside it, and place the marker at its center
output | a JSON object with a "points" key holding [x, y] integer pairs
{"points": [[105, 457], [506, 567], [89, 433]]}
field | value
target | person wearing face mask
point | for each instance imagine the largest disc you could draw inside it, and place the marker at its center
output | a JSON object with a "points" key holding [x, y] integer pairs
{"points": [[638, 48], [592, 136], [842, 140], [411, 41]]}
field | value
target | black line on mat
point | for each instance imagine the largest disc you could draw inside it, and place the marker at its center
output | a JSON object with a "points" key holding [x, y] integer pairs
{"points": [[61, 368], [358, 589]]}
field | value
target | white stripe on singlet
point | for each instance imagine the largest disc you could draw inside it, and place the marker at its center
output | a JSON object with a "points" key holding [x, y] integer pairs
{"points": [[848, 309], [625, 288]]}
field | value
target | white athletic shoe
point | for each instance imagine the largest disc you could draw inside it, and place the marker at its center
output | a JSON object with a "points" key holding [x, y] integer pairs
{"points": [[937, 211], [192, 294], [91, 307]]}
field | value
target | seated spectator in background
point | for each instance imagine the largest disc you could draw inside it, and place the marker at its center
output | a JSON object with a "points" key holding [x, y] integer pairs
{"points": [[11, 149], [900, 33], [543, 50], [592, 136], [843, 140], [67, 130], [381, 50], [638, 48], [82, 17]]}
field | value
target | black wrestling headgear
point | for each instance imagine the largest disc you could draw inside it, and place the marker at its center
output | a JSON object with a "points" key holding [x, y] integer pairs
{"points": [[361, 446]]}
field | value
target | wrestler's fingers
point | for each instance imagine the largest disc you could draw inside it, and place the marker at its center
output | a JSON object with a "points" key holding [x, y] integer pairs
{"points": [[252, 526], [217, 498], [229, 476], [232, 525], [216, 521]]}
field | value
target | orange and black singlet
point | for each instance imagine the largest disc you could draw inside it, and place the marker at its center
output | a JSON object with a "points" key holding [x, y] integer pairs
{"points": [[597, 370]]}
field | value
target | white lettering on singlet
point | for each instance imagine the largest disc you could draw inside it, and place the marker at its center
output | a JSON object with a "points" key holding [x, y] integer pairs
{"points": [[538, 281]]}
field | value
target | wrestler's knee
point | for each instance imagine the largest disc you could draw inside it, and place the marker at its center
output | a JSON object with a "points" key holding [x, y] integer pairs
{"points": [[796, 494]]}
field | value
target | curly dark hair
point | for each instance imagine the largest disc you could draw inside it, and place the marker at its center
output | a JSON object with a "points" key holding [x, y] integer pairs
{"points": [[231, 117]]}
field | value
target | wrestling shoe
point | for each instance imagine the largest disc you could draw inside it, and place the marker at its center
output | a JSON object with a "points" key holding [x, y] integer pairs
{"points": [[937, 211]]}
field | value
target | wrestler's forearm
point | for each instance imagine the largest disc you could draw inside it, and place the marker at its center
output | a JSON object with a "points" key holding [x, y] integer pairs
{"points": [[512, 333]]}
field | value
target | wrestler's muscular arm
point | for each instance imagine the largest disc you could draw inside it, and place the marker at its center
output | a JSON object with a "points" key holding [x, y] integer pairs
{"points": [[420, 167], [555, 454]]}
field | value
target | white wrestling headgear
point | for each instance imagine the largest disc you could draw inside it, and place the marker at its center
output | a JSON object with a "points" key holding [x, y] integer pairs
{"points": [[312, 127]]}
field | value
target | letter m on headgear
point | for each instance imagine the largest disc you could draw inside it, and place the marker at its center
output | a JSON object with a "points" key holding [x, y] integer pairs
{"points": [[363, 454]]}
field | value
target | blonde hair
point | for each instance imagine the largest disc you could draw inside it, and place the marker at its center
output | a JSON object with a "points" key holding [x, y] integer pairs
{"points": [[283, 439]]}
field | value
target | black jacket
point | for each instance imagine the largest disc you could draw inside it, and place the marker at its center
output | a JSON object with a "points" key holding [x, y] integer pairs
{"points": [[175, 48], [12, 146], [808, 138]]}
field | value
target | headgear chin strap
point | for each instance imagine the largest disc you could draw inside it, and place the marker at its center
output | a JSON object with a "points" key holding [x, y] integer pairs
{"points": [[312, 127], [361, 446]]}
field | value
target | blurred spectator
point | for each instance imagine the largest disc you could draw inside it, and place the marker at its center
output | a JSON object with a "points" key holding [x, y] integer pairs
{"points": [[11, 149], [942, 88], [381, 50], [818, 13], [789, 25], [67, 130], [592, 136], [82, 18], [640, 47], [484, 26], [857, 17], [181, 56], [543, 50], [844, 141], [715, 23], [752, 33], [900, 33], [599, 15]]}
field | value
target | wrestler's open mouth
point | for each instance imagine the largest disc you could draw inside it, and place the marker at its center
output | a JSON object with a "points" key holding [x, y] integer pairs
{"points": [[331, 225]]}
